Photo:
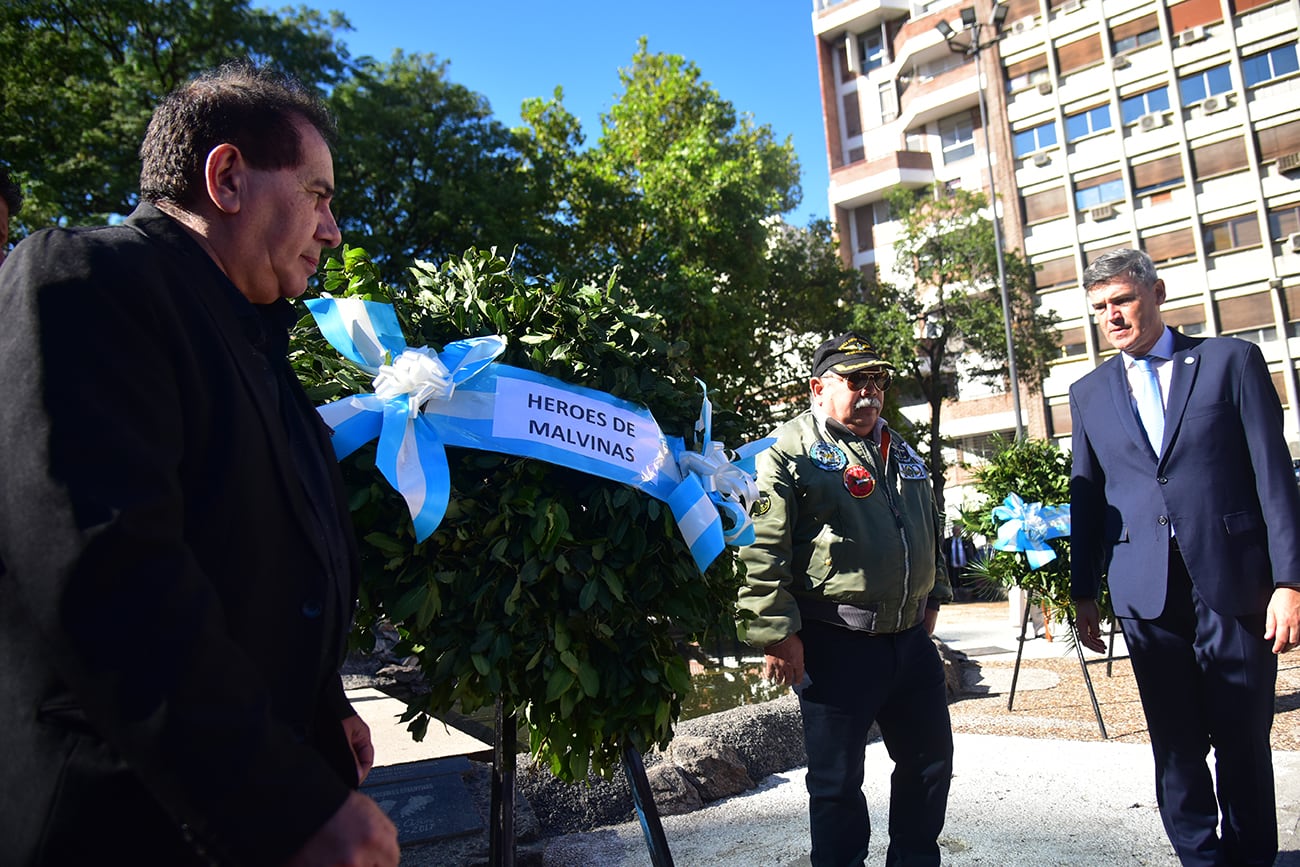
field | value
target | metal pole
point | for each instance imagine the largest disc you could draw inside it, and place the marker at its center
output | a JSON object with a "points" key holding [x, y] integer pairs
{"points": [[501, 831], [644, 801], [975, 48]]}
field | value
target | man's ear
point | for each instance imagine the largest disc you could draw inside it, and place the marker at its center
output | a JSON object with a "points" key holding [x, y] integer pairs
{"points": [[815, 386], [225, 176], [1159, 288]]}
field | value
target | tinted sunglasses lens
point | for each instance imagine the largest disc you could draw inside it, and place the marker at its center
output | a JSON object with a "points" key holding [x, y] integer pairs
{"points": [[881, 380]]}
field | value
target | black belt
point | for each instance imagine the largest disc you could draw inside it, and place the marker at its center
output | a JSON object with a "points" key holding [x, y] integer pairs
{"points": [[859, 618]]}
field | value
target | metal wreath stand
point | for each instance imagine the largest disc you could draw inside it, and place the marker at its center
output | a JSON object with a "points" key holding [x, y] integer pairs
{"points": [[1083, 665], [501, 831]]}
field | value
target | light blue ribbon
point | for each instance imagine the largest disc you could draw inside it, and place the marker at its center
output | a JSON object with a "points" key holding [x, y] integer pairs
{"points": [[425, 401], [1028, 526], [410, 453]]}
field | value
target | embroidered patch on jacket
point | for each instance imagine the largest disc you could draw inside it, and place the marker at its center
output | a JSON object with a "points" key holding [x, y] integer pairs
{"points": [[858, 481], [827, 456]]}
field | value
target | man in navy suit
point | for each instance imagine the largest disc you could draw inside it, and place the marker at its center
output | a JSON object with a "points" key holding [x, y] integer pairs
{"points": [[1193, 517]]}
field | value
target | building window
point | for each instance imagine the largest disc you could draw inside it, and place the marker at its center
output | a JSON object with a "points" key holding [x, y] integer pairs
{"points": [[1045, 205], [1278, 140], [1055, 273], [1283, 222], [1027, 73], [1219, 158], [863, 224], [1099, 191], [1077, 55], [1270, 64], [1087, 122], [1144, 103], [1135, 34], [1231, 234], [871, 50], [1157, 175], [1192, 13], [1170, 246], [957, 134], [1034, 139], [1197, 86]]}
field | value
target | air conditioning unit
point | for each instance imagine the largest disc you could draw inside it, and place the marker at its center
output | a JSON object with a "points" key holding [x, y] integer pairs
{"points": [[1288, 162], [1072, 5], [1190, 35], [1293, 242], [1101, 212], [1154, 120], [1120, 61], [851, 49], [1041, 159], [1044, 87], [1214, 104]]}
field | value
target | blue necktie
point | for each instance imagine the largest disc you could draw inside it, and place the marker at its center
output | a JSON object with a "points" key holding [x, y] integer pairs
{"points": [[1150, 408]]}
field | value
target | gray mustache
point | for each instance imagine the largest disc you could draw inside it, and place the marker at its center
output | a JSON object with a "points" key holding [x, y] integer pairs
{"points": [[872, 402]]}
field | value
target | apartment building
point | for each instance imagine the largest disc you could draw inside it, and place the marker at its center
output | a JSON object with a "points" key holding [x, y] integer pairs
{"points": [[1111, 123]]}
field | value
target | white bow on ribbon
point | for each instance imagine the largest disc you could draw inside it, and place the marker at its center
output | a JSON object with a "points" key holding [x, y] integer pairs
{"points": [[417, 374]]}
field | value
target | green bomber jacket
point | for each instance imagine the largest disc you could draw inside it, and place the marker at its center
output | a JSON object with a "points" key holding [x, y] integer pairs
{"points": [[836, 524]]}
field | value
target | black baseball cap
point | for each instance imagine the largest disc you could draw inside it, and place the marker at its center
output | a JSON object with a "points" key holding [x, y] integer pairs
{"points": [[847, 353]]}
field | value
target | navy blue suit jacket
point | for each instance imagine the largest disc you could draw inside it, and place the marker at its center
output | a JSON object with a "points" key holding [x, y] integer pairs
{"points": [[1224, 480]]}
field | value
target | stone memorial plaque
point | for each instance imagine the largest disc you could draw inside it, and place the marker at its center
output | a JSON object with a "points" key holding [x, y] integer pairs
{"points": [[426, 800]]}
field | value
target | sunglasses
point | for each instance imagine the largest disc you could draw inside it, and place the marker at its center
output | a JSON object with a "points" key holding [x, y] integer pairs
{"points": [[881, 379]]}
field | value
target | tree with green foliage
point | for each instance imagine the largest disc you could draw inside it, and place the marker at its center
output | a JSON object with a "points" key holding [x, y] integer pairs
{"points": [[79, 80], [423, 170], [682, 195], [943, 321], [557, 592]]}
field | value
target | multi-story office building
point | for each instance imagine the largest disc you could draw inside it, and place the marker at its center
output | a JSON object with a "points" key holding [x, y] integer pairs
{"points": [[1174, 127]]}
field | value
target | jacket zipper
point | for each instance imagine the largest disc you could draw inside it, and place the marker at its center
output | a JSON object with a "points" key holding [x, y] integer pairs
{"points": [[883, 462]]}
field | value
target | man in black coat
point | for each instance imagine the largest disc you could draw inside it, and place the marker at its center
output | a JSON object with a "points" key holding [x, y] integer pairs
{"points": [[177, 565]]}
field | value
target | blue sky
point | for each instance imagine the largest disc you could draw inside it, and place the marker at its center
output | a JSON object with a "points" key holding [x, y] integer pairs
{"points": [[758, 54]]}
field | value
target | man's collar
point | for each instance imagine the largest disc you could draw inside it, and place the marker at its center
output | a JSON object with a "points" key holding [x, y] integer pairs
{"points": [[1162, 350], [839, 427]]}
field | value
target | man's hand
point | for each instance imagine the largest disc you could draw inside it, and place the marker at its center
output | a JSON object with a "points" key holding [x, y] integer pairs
{"points": [[1087, 621], [1282, 624], [357, 835], [363, 750], [930, 618], [783, 661]]}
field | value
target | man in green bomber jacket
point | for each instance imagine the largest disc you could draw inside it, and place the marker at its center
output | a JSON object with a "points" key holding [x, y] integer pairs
{"points": [[843, 586]]}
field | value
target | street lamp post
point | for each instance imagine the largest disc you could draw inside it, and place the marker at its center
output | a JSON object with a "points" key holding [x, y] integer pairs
{"points": [[972, 48]]}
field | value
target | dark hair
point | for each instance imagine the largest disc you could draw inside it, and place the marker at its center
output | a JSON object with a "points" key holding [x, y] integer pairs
{"points": [[255, 108], [1120, 264], [13, 197]]}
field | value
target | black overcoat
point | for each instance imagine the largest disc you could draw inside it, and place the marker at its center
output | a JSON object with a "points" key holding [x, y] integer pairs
{"points": [[171, 618]]}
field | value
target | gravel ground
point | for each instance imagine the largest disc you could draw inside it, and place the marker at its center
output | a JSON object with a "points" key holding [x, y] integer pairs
{"points": [[1064, 712]]}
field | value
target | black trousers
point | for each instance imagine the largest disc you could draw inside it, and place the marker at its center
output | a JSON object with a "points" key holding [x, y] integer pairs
{"points": [[897, 681], [1207, 680]]}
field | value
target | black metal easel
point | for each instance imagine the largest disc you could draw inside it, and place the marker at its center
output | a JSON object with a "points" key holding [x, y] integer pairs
{"points": [[1083, 666], [501, 833], [646, 811]]}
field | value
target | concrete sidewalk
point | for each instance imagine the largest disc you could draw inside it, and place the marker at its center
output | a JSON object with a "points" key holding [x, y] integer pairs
{"points": [[1014, 801]]}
